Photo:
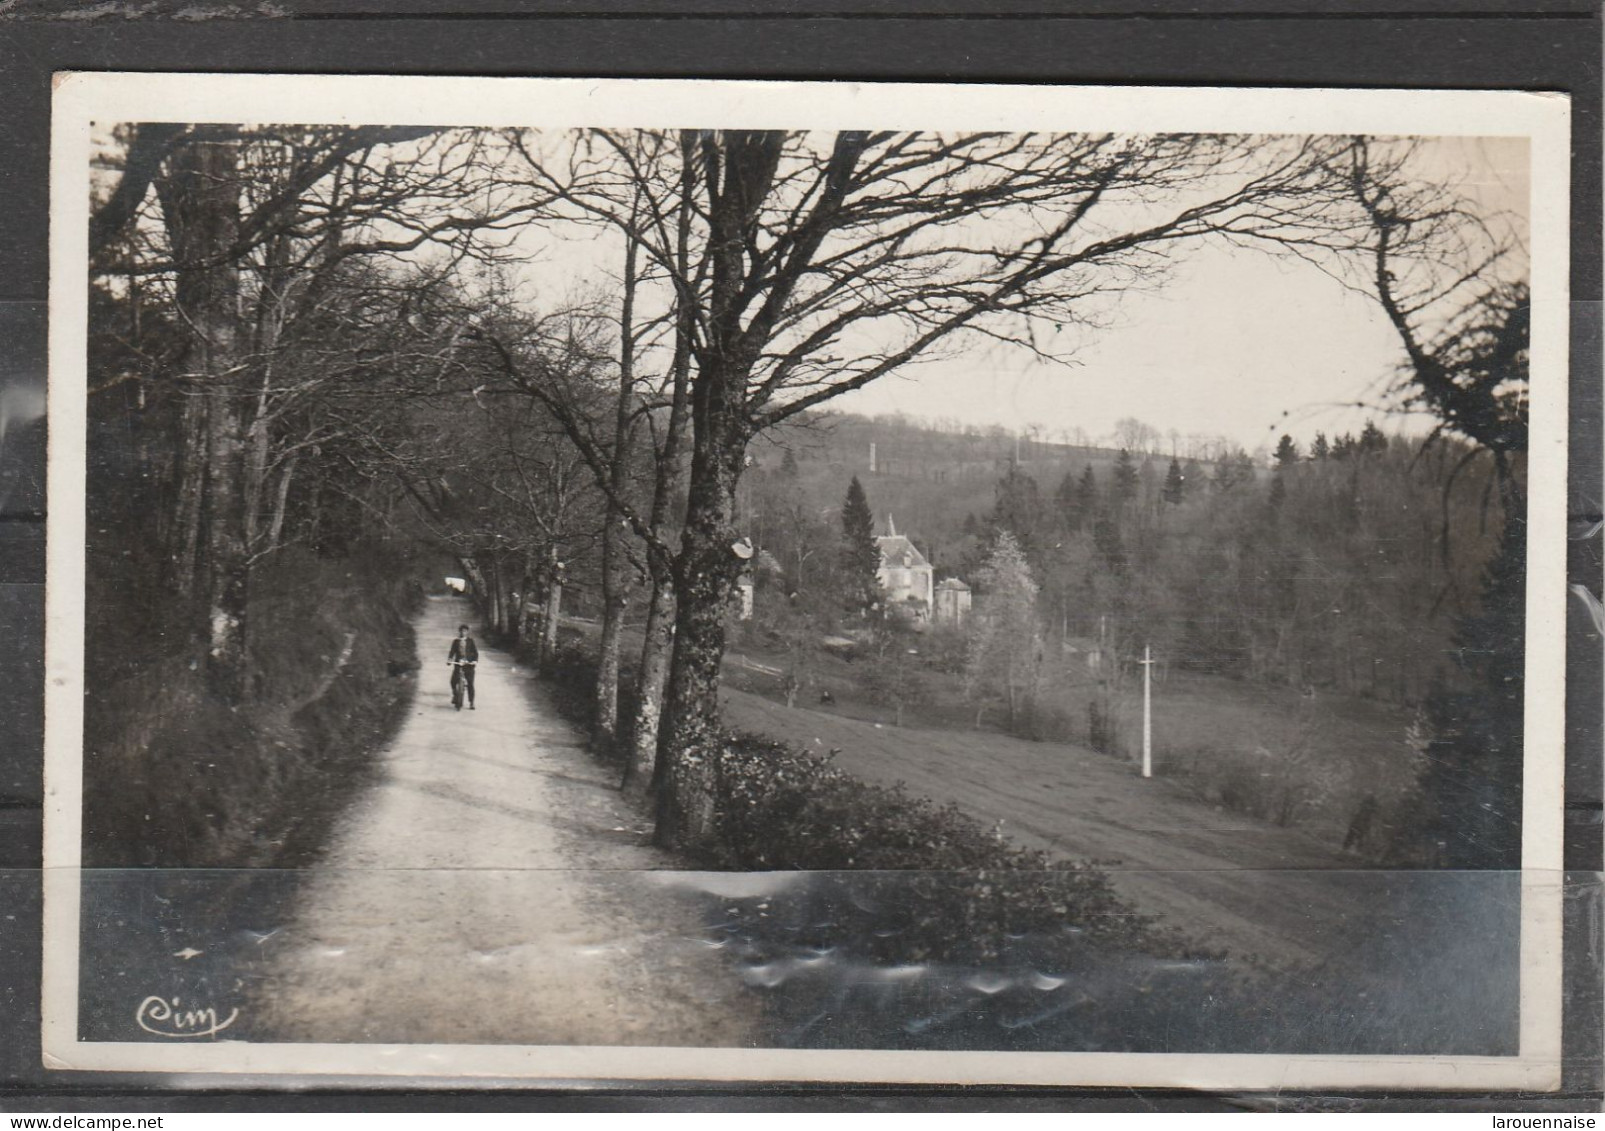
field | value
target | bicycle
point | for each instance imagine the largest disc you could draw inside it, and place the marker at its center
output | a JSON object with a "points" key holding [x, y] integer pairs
{"points": [[459, 681]]}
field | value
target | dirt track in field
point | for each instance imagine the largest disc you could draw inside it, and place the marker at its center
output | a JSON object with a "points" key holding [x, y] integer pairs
{"points": [[1228, 881]]}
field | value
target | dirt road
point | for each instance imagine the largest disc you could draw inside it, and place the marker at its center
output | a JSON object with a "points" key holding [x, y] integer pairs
{"points": [[1226, 880], [489, 888]]}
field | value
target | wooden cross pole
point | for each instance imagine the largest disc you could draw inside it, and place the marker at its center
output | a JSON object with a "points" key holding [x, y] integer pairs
{"points": [[1147, 662]]}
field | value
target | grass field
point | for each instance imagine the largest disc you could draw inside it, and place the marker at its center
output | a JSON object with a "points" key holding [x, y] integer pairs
{"points": [[1229, 880], [1259, 751], [1287, 897]]}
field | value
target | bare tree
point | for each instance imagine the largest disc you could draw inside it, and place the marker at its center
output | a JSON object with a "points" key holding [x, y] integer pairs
{"points": [[1136, 435], [200, 200], [1004, 658], [1453, 284], [646, 214], [252, 223], [820, 263]]}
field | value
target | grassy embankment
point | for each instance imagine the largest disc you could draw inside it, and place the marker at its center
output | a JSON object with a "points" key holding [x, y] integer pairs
{"points": [[783, 808], [175, 778], [849, 958]]}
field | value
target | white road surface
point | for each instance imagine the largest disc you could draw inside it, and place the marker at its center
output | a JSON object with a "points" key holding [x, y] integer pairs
{"points": [[488, 888]]}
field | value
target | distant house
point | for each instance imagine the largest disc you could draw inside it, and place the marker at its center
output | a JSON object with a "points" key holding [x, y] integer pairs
{"points": [[1085, 650], [952, 603], [905, 576]]}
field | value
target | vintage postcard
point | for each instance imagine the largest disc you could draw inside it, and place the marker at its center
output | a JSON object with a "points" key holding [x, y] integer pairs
{"points": [[737, 581]]}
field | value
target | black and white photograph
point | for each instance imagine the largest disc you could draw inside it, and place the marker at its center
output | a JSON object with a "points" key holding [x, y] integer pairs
{"points": [[826, 582]]}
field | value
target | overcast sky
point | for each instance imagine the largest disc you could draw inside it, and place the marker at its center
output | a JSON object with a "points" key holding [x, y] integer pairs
{"points": [[1239, 344]]}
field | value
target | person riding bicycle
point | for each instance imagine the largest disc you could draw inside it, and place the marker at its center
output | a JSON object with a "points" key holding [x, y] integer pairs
{"points": [[462, 658]]}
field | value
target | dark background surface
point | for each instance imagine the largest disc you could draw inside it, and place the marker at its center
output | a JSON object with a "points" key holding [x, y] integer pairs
{"points": [[1525, 44]]}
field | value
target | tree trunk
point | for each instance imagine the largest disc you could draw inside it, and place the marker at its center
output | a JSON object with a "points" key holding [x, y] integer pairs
{"points": [[258, 458], [643, 770], [705, 575], [200, 198], [653, 672], [504, 599], [605, 716], [554, 614], [191, 490], [493, 602], [506, 617], [281, 503], [526, 604], [229, 589], [475, 576]]}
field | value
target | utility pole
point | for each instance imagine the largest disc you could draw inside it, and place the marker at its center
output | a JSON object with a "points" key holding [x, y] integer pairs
{"points": [[1147, 713]]}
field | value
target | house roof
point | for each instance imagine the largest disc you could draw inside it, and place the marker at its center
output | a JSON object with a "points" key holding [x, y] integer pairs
{"points": [[952, 583], [897, 552]]}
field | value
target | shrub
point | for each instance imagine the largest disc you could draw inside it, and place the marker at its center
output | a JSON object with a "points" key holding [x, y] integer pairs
{"points": [[1285, 787], [783, 809], [570, 675], [1103, 728], [916, 881]]}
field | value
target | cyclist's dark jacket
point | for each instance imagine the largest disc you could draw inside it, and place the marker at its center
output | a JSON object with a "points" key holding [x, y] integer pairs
{"points": [[464, 650]]}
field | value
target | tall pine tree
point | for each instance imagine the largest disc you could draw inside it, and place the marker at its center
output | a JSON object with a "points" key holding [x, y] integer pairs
{"points": [[1067, 504], [860, 554], [1017, 507], [1087, 494], [1175, 489], [1125, 488]]}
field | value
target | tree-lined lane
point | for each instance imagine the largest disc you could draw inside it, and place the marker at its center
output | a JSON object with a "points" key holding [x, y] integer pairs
{"points": [[473, 894]]}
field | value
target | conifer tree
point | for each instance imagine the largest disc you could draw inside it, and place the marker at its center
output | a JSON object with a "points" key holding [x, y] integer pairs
{"points": [[1125, 488], [1286, 452], [1018, 506], [860, 554], [1067, 504], [1175, 489], [1320, 449], [1278, 494], [1087, 494], [1111, 547]]}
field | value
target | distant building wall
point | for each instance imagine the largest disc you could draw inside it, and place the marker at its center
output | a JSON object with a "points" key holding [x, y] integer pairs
{"points": [[952, 602], [904, 574]]}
